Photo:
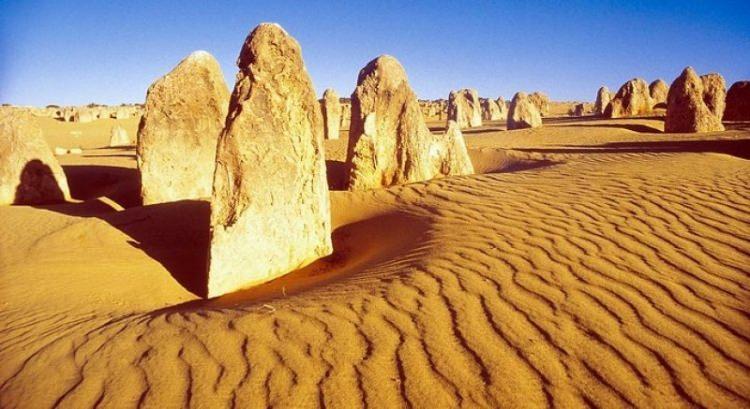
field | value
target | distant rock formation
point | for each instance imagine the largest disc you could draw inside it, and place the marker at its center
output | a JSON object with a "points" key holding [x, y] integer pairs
{"points": [[490, 110], [603, 98], [738, 102], [118, 136], [632, 99], [346, 115], [523, 113], [687, 110], [184, 115], [29, 172], [389, 142], [579, 110], [464, 108], [503, 107], [331, 109], [270, 211], [658, 91], [541, 101], [714, 93]]}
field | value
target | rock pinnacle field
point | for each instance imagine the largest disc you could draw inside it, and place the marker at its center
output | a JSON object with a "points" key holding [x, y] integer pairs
{"points": [[284, 220]]}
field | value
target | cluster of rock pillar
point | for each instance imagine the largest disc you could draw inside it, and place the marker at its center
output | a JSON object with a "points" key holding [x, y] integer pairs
{"points": [[258, 153]]}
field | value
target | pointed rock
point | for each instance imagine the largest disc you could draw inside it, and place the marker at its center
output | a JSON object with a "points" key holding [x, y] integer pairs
{"points": [[632, 99], [464, 108], [523, 113], [270, 211], [184, 115], [686, 109], [603, 97], [331, 108], [389, 142]]}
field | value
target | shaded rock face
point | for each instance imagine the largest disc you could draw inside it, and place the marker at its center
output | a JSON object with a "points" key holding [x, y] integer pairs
{"points": [[29, 172], [464, 108], [632, 99], [578, 110], [331, 109], [603, 97], [523, 113], [119, 137], [84, 116], [490, 110], [389, 142], [346, 115], [541, 101], [177, 135], [738, 102], [503, 107], [658, 91], [687, 110], [270, 211], [714, 93]]}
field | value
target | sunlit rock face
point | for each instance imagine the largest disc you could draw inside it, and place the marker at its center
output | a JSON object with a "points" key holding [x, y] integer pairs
{"points": [[29, 172], [389, 142], [331, 109], [464, 108], [184, 115], [632, 99], [687, 109], [270, 211], [523, 113]]}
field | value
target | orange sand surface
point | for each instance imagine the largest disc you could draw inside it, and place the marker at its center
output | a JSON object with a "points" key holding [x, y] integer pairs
{"points": [[589, 262]]}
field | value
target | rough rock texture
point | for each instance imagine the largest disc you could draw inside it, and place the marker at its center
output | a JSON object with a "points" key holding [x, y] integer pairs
{"points": [[270, 211], [29, 172], [738, 102], [119, 137], [686, 109], [523, 113], [177, 135], [632, 99], [331, 109], [714, 93], [464, 108], [658, 91], [603, 97], [490, 110], [541, 100], [389, 142]]}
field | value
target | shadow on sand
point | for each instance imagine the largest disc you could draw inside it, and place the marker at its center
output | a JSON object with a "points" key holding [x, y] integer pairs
{"points": [[735, 147]]}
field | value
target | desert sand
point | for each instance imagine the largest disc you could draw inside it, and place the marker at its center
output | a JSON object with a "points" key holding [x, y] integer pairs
{"points": [[586, 263]]}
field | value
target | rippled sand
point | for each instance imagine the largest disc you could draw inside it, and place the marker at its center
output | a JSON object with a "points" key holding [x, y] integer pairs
{"points": [[596, 263]]}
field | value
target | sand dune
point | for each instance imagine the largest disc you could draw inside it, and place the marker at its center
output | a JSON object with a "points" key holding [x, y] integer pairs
{"points": [[596, 263]]}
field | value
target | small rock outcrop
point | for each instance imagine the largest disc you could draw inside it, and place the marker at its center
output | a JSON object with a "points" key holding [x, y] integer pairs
{"points": [[270, 211], [579, 110], [464, 108], [331, 108], [658, 91], [503, 107], [523, 113], [490, 110], [118, 136], [603, 97], [177, 135], [632, 99], [687, 110], [714, 93], [389, 142], [29, 172], [541, 101], [738, 102]]}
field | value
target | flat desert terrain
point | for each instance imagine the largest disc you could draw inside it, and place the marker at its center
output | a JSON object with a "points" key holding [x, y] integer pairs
{"points": [[588, 262]]}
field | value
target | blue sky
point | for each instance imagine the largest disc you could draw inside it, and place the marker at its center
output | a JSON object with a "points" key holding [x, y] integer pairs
{"points": [[76, 52]]}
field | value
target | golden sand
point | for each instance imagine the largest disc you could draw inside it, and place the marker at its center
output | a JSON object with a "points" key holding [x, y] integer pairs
{"points": [[592, 262]]}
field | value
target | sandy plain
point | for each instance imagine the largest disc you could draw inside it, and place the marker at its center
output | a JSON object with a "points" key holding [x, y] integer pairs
{"points": [[588, 263]]}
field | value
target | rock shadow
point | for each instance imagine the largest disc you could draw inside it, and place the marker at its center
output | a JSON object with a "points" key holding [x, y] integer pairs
{"points": [[359, 247], [735, 147], [122, 185], [37, 185], [337, 174]]}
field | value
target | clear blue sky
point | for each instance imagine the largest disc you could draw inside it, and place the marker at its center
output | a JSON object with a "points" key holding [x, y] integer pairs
{"points": [[76, 52]]}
